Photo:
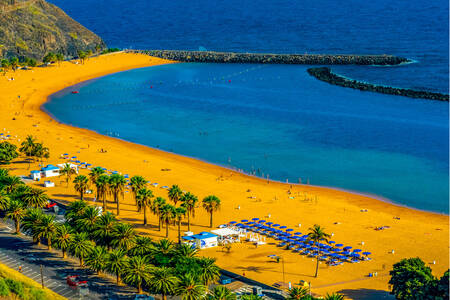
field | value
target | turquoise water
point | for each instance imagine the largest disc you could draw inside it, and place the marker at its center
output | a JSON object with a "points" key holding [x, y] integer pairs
{"points": [[276, 120]]}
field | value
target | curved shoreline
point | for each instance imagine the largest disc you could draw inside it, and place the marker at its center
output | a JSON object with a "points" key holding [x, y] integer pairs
{"points": [[327, 75], [418, 233], [339, 189]]}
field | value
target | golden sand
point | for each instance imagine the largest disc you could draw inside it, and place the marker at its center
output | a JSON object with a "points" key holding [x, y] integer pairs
{"points": [[416, 233]]}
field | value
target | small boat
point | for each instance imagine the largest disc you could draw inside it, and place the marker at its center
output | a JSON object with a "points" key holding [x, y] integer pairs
{"points": [[75, 92]]}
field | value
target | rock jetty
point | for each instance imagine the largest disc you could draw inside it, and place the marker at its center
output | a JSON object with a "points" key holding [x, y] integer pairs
{"points": [[262, 58], [325, 74]]}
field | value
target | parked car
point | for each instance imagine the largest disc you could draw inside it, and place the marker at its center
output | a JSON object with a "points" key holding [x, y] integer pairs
{"points": [[75, 280], [50, 204]]}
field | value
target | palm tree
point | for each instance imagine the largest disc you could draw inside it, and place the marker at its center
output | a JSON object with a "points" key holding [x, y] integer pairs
{"points": [[161, 252], [175, 193], [88, 221], [59, 57], [68, 172], [298, 293], [180, 213], [123, 236], [189, 201], [30, 223], [41, 152], [211, 204], [63, 238], [102, 185], [94, 175], [141, 247], [186, 250], [137, 271], [144, 200], [116, 263], [221, 292], [163, 282], [317, 235], [10, 183], [47, 228], [334, 296], [4, 199], [81, 184], [104, 229], [96, 259], [27, 147], [116, 186], [137, 183], [167, 215], [15, 212], [75, 211], [189, 289], [209, 271], [80, 246], [35, 197], [155, 208]]}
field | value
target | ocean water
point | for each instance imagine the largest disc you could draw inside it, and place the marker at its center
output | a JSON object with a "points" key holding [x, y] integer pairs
{"points": [[415, 29], [274, 120]]}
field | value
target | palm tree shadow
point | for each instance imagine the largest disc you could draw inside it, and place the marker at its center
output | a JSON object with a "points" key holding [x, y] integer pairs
{"points": [[366, 294]]}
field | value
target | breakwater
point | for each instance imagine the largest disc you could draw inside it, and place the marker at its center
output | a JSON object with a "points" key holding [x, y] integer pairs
{"points": [[325, 74], [266, 58]]}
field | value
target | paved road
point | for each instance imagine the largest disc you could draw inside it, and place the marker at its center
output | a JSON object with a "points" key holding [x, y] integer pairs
{"points": [[15, 251]]}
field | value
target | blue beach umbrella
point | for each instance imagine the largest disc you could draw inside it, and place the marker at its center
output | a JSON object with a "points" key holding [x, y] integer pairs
{"points": [[244, 221], [347, 248], [276, 225], [232, 222], [289, 230], [357, 250], [65, 154], [269, 223], [250, 223], [339, 245], [261, 221], [283, 227], [255, 219], [367, 253], [297, 233], [331, 242]]}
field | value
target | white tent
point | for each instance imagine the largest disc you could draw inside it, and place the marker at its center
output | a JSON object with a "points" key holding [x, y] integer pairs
{"points": [[222, 232]]}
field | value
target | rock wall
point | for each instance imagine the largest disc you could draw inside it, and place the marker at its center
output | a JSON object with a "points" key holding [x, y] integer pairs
{"points": [[325, 74], [261, 58]]}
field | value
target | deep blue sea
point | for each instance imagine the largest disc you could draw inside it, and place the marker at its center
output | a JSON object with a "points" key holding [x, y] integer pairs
{"points": [[276, 119]]}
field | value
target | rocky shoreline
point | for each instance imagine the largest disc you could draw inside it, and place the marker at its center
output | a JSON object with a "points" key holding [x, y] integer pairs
{"points": [[325, 74], [263, 58]]}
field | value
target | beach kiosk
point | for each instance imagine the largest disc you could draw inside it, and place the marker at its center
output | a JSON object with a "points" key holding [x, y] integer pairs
{"points": [[202, 240], [50, 171], [227, 235], [35, 175]]}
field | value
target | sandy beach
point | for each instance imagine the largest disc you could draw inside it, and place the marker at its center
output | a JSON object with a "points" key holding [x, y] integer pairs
{"points": [[351, 218]]}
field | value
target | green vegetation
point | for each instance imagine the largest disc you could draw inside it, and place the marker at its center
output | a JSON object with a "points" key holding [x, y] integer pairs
{"points": [[8, 152], [110, 50], [317, 235], [412, 279], [33, 150]]}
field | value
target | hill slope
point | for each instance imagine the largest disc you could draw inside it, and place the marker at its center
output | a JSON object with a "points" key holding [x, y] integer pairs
{"points": [[33, 28]]}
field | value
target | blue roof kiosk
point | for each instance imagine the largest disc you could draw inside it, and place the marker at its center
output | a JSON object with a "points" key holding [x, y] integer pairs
{"points": [[202, 240]]}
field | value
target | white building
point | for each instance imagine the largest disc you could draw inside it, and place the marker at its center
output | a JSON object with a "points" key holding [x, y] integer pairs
{"points": [[50, 171], [202, 240]]}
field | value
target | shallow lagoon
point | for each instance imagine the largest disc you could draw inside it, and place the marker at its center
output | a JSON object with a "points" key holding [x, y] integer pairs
{"points": [[276, 120]]}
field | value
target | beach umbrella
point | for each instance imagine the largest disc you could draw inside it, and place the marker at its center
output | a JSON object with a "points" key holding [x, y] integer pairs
{"points": [[244, 221], [255, 219], [261, 221], [288, 230], [88, 164], [233, 222], [346, 253], [250, 223], [283, 227], [357, 250], [339, 245], [74, 157], [367, 253], [269, 223], [331, 242], [276, 225], [347, 248], [297, 233], [65, 154]]}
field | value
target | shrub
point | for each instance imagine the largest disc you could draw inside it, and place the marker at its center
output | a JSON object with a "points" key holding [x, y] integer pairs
{"points": [[16, 287]]}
